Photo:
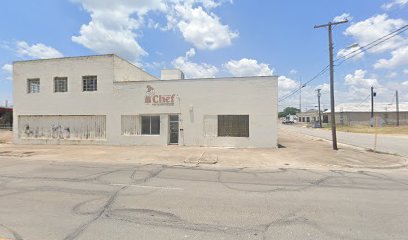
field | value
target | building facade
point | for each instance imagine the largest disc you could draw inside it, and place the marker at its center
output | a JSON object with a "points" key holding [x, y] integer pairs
{"points": [[352, 114], [106, 100]]}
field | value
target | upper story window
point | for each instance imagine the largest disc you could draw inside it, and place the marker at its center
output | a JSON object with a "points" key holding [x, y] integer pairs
{"points": [[60, 84], [33, 85], [89, 83]]}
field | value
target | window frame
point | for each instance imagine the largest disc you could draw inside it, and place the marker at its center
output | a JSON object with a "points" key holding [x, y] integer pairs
{"points": [[59, 79], [227, 126], [85, 85], [30, 89], [142, 130], [131, 125]]}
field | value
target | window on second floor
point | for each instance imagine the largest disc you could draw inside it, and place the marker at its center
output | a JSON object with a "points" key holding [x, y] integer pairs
{"points": [[60, 84], [89, 83], [33, 85]]}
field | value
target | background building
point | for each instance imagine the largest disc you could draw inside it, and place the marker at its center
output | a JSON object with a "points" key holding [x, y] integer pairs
{"points": [[106, 100], [360, 114]]}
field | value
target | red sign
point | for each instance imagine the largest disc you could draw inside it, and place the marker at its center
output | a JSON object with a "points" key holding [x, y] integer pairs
{"points": [[156, 99]]}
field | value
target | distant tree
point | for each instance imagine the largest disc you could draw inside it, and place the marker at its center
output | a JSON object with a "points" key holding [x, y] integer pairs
{"points": [[288, 111]]}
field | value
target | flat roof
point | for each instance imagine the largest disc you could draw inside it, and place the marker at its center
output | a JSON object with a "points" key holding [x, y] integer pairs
{"points": [[196, 79], [71, 57], [366, 107], [114, 55]]}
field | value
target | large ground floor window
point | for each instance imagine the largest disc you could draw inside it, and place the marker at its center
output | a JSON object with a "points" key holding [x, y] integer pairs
{"points": [[150, 125], [67, 127], [233, 125]]}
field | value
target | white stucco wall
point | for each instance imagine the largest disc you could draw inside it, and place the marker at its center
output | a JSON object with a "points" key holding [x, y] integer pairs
{"points": [[125, 71], [195, 98]]}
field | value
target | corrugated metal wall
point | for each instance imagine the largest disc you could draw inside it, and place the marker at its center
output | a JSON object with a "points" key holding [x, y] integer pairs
{"points": [[130, 125], [69, 127]]}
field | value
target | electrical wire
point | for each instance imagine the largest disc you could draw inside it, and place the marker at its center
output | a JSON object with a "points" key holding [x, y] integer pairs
{"points": [[371, 45], [348, 56], [323, 71], [365, 99]]}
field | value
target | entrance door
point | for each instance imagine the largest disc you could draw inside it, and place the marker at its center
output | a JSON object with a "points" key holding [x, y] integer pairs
{"points": [[174, 129]]}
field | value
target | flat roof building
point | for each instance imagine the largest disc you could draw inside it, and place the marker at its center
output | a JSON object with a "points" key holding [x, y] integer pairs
{"points": [[360, 114], [106, 100]]}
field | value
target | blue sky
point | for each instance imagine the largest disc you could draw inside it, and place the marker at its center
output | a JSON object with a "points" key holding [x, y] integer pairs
{"points": [[211, 38]]}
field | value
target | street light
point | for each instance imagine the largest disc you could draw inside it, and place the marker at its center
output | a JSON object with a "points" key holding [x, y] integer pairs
{"points": [[354, 45]]}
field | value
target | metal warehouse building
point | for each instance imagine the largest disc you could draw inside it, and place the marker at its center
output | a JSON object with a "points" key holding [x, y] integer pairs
{"points": [[351, 114], [106, 100]]}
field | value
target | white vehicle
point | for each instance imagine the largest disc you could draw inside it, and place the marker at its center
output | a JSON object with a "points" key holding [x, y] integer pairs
{"points": [[289, 119]]}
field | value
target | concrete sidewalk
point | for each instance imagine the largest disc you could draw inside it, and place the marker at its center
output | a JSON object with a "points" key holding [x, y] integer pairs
{"points": [[297, 151], [385, 143]]}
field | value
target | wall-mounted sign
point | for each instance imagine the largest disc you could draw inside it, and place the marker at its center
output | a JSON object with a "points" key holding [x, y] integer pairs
{"points": [[158, 99]]}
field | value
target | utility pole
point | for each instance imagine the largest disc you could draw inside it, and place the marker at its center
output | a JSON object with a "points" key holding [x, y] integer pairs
{"points": [[332, 107], [300, 95], [373, 94], [397, 102], [318, 103]]}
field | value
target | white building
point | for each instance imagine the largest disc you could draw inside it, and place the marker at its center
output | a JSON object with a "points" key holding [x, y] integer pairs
{"points": [[351, 114], [106, 100]]}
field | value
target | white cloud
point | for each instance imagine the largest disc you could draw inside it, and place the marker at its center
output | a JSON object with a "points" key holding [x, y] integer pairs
{"points": [[358, 80], [375, 27], [405, 83], [342, 17], [325, 87], [8, 69], [38, 50], [192, 69], [191, 53], [112, 26], [348, 52], [293, 72], [392, 74], [399, 58], [286, 83], [394, 3], [247, 67], [204, 30]]}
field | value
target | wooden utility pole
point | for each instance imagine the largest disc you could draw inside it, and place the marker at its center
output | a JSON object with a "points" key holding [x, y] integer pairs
{"points": [[332, 107], [397, 107], [373, 94], [318, 103], [300, 95]]}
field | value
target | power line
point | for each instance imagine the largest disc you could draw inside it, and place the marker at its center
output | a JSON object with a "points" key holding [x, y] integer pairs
{"points": [[323, 71], [365, 99], [372, 44], [348, 56], [393, 98], [402, 29]]}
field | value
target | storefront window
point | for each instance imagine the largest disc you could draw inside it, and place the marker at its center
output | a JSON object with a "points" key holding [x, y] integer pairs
{"points": [[151, 125], [233, 125]]}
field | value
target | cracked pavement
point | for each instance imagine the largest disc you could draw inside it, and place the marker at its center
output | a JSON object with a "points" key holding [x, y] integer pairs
{"points": [[88, 200]]}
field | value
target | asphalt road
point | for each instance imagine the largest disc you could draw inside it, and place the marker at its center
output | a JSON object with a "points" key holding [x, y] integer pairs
{"points": [[385, 143], [60, 200]]}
